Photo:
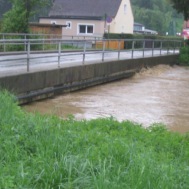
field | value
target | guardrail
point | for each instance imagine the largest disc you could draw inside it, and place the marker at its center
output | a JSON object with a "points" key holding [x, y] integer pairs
{"points": [[28, 47], [25, 36]]}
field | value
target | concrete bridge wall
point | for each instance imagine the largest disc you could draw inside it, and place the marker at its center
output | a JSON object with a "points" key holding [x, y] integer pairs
{"points": [[43, 84]]}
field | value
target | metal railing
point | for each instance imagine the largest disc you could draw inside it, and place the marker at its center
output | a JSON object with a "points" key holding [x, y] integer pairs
{"points": [[25, 36], [119, 49]]}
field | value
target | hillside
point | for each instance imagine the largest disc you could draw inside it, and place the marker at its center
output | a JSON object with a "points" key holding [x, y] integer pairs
{"points": [[157, 15]]}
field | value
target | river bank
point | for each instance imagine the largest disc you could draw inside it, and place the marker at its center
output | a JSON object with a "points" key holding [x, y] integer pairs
{"points": [[44, 151]]}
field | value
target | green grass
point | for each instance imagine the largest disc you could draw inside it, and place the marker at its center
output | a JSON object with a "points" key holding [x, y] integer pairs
{"points": [[45, 152]]}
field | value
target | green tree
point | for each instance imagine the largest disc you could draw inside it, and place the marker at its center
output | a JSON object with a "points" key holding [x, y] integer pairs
{"points": [[16, 20], [157, 15], [182, 6]]}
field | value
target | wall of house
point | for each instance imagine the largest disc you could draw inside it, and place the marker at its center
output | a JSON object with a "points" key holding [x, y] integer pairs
{"points": [[73, 30], [186, 24], [124, 20]]}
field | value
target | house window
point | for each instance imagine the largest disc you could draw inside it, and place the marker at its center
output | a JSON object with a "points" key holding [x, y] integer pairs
{"points": [[53, 22], [85, 29], [69, 25], [82, 29], [89, 29], [125, 9]]}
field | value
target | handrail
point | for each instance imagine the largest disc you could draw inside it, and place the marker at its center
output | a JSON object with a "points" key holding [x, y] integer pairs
{"points": [[45, 36], [86, 47]]}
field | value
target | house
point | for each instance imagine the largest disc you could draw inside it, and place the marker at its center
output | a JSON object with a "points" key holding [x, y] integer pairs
{"points": [[185, 31], [140, 28], [91, 17], [186, 24]]}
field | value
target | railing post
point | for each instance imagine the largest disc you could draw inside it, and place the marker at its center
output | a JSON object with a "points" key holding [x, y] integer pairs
{"points": [[95, 42], [119, 48], [28, 56], [174, 48], [144, 42], [59, 53], [72, 42], [25, 43], [103, 49], [84, 51], [133, 47], [43, 44], [161, 45], [4, 47], [152, 47], [168, 48]]}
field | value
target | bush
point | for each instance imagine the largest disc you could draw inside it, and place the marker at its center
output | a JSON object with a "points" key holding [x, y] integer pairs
{"points": [[184, 54], [169, 41]]}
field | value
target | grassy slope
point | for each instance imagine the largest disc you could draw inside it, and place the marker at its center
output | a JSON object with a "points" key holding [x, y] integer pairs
{"points": [[46, 152]]}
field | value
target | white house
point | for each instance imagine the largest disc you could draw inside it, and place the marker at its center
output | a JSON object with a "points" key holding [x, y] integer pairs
{"points": [[91, 17], [140, 28]]}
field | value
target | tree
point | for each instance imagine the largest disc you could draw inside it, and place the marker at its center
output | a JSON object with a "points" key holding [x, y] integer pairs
{"points": [[16, 20], [182, 6], [156, 15]]}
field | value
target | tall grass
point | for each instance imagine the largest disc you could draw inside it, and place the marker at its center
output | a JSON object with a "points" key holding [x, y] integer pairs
{"points": [[45, 152]]}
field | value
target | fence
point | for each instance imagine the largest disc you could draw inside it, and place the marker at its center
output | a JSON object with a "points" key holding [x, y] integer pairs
{"points": [[83, 48], [25, 36]]}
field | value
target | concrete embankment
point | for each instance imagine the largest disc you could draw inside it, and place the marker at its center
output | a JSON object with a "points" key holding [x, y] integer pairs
{"points": [[30, 87]]}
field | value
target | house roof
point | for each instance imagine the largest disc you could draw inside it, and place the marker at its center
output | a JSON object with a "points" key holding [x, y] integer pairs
{"points": [[84, 8]]}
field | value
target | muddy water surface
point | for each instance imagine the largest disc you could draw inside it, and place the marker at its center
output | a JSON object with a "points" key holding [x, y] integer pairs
{"points": [[156, 95]]}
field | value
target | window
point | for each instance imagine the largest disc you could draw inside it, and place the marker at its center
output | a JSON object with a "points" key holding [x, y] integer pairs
{"points": [[85, 29], [137, 28], [53, 22], [69, 25], [125, 9], [89, 29], [82, 29]]}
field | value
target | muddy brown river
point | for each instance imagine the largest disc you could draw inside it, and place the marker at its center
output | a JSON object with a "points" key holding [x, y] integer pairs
{"points": [[155, 95]]}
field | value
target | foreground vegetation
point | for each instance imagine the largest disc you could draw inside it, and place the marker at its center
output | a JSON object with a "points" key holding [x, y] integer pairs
{"points": [[184, 54], [45, 152]]}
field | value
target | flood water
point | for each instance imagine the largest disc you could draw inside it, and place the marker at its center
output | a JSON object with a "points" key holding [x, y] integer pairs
{"points": [[155, 95]]}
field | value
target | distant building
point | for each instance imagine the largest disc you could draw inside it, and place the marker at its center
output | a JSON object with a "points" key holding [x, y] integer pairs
{"points": [[140, 28], [91, 17], [186, 24], [185, 31]]}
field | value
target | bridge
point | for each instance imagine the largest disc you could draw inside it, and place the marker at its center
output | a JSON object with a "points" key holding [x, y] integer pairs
{"points": [[39, 68]]}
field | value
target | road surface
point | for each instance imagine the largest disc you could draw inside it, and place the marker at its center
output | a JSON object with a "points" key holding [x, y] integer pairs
{"points": [[17, 63]]}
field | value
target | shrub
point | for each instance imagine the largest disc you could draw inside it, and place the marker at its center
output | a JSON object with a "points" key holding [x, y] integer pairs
{"points": [[184, 54]]}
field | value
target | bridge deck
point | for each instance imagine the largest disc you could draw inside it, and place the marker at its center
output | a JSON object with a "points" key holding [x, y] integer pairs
{"points": [[13, 64]]}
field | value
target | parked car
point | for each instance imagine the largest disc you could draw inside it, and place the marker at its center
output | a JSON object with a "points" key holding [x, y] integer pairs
{"points": [[185, 33]]}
